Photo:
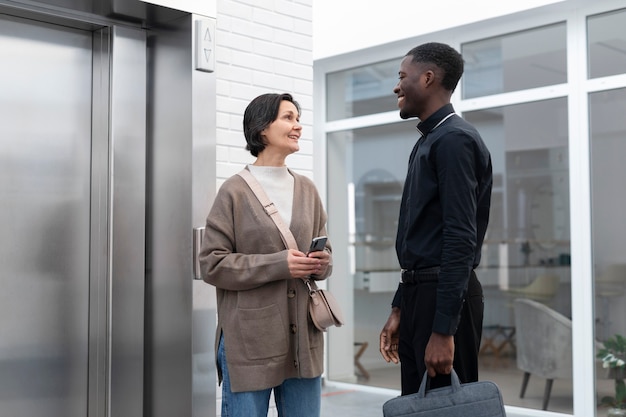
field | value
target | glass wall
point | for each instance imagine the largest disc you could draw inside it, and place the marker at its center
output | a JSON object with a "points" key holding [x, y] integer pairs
{"points": [[373, 161], [606, 44], [526, 252], [517, 61], [525, 270], [537, 144], [608, 147], [361, 91]]}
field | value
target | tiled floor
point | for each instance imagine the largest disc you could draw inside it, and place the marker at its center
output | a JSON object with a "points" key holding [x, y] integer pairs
{"points": [[342, 399], [347, 400], [366, 399]]}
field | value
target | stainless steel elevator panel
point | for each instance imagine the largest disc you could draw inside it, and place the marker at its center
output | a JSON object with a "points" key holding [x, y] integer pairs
{"points": [[45, 157], [107, 160]]}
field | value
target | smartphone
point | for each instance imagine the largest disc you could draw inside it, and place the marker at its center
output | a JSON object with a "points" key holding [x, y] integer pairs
{"points": [[318, 243]]}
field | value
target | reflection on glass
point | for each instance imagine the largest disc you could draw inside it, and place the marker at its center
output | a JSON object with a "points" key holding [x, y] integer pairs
{"points": [[608, 147], [362, 91], [517, 61], [606, 43], [373, 162], [526, 253]]}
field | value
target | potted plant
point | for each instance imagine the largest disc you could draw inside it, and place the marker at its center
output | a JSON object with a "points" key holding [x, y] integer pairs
{"points": [[613, 355]]}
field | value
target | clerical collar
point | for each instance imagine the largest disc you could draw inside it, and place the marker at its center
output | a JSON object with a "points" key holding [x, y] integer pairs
{"points": [[435, 119]]}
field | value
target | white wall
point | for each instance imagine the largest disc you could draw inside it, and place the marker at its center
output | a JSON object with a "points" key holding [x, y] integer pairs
{"points": [[350, 25], [262, 46]]}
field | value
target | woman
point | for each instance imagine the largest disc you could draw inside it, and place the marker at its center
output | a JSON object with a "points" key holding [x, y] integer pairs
{"points": [[265, 338]]}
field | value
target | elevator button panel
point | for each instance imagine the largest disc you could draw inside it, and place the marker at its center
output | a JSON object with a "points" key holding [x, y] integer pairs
{"points": [[205, 45]]}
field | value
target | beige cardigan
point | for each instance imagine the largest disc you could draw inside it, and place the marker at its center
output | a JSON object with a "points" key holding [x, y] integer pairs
{"points": [[262, 310]]}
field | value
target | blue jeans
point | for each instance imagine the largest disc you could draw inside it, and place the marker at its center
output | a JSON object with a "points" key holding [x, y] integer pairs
{"points": [[295, 397]]}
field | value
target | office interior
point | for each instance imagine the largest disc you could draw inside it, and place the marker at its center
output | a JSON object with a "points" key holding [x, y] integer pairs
{"points": [[546, 89]]}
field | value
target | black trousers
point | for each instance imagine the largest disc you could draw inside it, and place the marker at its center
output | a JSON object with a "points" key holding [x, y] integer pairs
{"points": [[416, 320]]}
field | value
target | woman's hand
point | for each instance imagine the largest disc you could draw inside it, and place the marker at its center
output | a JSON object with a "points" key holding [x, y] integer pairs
{"points": [[302, 265]]}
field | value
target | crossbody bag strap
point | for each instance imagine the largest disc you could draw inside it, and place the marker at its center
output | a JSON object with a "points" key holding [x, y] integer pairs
{"points": [[272, 211], [270, 208]]}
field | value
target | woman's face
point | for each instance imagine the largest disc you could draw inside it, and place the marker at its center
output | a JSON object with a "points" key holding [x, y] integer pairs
{"points": [[282, 134]]}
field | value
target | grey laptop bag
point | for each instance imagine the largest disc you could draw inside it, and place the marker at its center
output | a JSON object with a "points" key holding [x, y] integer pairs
{"points": [[475, 399]]}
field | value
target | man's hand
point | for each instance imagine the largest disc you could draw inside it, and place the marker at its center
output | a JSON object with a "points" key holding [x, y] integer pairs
{"points": [[439, 354], [389, 337]]}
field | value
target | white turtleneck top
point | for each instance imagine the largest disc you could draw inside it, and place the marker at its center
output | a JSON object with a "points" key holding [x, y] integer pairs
{"points": [[278, 185]]}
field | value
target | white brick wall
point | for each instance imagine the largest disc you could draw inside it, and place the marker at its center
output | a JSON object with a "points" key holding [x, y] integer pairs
{"points": [[262, 46]]}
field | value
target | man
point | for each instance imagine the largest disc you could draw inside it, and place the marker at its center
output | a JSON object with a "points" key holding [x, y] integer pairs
{"points": [[437, 311]]}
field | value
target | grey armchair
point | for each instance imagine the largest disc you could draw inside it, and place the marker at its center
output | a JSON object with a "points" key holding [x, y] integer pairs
{"points": [[543, 288], [543, 339]]}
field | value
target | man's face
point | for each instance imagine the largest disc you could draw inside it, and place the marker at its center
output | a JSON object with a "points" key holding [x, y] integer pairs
{"points": [[409, 89]]}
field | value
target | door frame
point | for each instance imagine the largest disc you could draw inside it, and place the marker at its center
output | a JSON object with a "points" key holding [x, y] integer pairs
{"points": [[118, 218]]}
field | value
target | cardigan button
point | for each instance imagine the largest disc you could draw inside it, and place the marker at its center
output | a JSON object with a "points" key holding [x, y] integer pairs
{"points": [[293, 328], [291, 293], [295, 364]]}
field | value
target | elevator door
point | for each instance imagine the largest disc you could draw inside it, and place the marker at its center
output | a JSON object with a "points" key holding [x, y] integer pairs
{"points": [[45, 157]]}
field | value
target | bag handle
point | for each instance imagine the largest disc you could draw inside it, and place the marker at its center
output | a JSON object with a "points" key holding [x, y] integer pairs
{"points": [[456, 383]]}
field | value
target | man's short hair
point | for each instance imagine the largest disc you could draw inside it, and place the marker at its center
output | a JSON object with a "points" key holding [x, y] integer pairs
{"points": [[442, 56]]}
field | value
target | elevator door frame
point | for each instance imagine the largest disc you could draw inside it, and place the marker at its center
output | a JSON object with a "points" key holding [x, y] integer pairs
{"points": [[118, 207], [150, 325], [116, 326]]}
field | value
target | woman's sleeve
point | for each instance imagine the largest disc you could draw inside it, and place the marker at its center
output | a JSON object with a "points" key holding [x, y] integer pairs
{"points": [[226, 268]]}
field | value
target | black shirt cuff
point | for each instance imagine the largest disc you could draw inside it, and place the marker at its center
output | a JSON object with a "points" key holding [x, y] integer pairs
{"points": [[397, 298], [445, 325]]}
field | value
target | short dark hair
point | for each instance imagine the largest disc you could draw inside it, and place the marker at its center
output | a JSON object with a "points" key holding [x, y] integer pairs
{"points": [[259, 114], [443, 57]]}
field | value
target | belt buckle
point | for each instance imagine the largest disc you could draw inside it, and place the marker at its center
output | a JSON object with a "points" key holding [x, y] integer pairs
{"points": [[407, 276]]}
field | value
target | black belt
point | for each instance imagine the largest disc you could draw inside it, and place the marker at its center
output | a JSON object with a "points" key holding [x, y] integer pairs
{"points": [[420, 275]]}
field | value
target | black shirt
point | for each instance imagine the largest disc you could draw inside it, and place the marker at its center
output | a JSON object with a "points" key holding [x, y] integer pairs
{"points": [[445, 209]]}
